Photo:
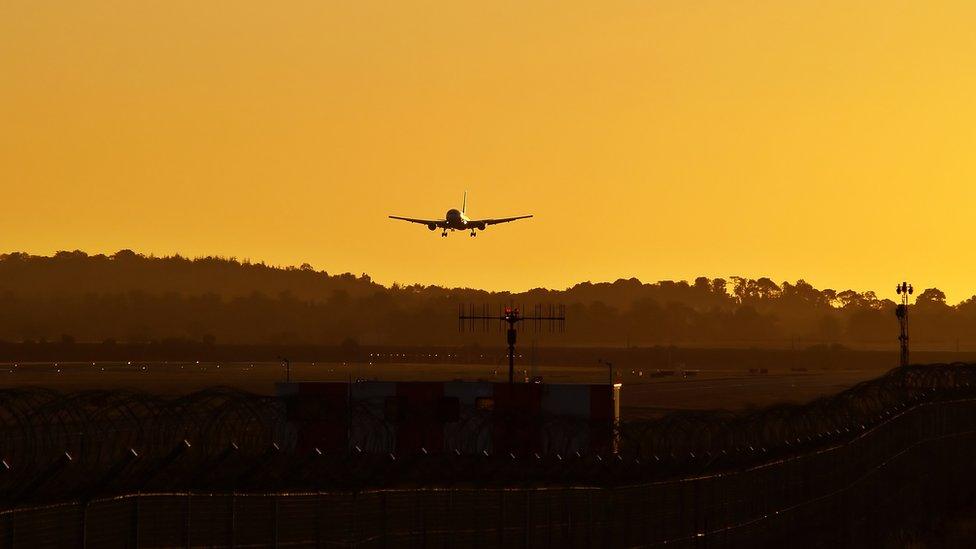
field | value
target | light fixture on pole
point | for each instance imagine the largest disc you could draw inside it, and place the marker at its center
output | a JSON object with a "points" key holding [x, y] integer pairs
{"points": [[901, 311]]}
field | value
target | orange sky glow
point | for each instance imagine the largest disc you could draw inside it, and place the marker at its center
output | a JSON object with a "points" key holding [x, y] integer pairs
{"points": [[831, 141]]}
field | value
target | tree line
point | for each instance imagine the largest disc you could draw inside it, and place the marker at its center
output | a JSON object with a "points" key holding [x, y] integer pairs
{"points": [[132, 298]]}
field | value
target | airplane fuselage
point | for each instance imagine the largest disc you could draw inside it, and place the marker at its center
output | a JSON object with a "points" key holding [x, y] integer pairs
{"points": [[456, 220]]}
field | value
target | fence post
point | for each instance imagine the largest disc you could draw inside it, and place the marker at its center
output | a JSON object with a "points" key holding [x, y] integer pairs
{"points": [[186, 521], [475, 509], [135, 521], [84, 525], [567, 522], [646, 514], [231, 534], [423, 517], [353, 522], [318, 521], [501, 517], [274, 521], [383, 520], [10, 530], [549, 519], [589, 518]]}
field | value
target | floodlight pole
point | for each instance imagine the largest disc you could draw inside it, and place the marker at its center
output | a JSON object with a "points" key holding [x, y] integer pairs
{"points": [[613, 397], [609, 365], [901, 311], [287, 364]]}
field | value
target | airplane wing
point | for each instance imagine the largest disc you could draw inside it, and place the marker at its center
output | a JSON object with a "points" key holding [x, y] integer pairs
{"points": [[500, 220], [436, 222]]}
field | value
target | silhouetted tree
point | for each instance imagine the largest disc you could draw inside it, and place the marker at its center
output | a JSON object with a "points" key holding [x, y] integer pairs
{"points": [[138, 299]]}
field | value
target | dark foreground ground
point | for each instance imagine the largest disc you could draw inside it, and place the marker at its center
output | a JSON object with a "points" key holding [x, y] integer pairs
{"points": [[953, 530], [914, 450], [884, 464]]}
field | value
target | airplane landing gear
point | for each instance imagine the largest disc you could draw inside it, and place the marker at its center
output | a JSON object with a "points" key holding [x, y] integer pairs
{"points": [[473, 233], [444, 233]]}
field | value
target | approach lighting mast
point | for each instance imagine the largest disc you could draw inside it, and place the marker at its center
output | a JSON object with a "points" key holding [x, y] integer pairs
{"points": [[554, 319], [901, 311]]}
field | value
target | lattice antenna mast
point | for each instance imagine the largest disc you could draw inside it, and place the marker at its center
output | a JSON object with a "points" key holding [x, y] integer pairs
{"points": [[901, 311], [551, 318]]}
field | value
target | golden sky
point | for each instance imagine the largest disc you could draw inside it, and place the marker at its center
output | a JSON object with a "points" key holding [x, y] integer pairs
{"points": [[826, 140]]}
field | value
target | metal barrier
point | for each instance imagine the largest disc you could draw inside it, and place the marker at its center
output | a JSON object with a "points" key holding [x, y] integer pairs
{"points": [[843, 495], [898, 447]]}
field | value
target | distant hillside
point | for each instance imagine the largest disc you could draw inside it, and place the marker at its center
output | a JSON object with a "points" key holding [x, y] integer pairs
{"points": [[128, 297], [79, 274]]}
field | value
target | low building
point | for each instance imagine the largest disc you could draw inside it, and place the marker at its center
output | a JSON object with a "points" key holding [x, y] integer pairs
{"points": [[458, 416]]}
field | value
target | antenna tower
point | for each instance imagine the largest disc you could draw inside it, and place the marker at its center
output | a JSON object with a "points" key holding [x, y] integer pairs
{"points": [[551, 318]]}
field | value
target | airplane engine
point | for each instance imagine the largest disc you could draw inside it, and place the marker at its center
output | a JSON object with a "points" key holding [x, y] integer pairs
{"points": [[481, 226], [431, 226]]}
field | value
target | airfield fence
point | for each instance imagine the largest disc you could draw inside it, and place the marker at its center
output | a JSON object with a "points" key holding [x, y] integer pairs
{"points": [[840, 469]]}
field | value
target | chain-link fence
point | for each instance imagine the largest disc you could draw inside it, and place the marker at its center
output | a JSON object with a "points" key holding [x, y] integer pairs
{"points": [[851, 492]]}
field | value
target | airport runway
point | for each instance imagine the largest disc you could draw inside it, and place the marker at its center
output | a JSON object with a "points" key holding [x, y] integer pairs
{"points": [[645, 393], [734, 390]]}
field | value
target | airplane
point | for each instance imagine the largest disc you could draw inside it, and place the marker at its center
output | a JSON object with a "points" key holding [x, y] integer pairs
{"points": [[457, 220]]}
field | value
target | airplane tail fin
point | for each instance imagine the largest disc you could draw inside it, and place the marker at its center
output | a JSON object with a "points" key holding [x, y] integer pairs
{"points": [[464, 202]]}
